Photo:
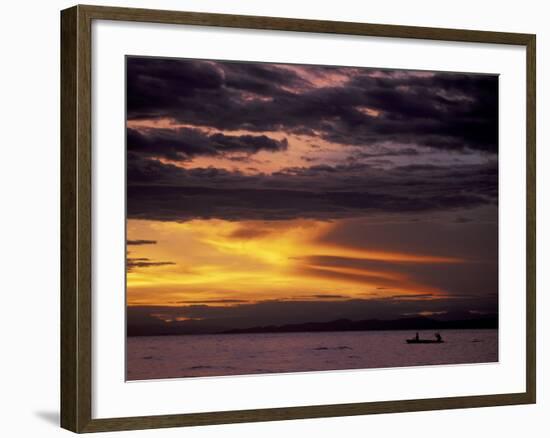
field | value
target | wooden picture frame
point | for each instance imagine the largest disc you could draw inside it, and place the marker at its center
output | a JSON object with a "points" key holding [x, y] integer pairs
{"points": [[76, 218]]}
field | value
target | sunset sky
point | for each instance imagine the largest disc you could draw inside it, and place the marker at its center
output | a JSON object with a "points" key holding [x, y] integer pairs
{"points": [[262, 194]]}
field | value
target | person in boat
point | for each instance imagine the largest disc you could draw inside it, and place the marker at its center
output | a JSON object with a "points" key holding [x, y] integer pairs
{"points": [[438, 337], [416, 337]]}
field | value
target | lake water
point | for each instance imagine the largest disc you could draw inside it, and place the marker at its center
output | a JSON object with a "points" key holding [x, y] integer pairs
{"points": [[158, 357]]}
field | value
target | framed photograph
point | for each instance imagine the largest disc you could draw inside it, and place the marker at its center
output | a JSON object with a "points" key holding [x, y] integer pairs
{"points": [[270, 218]]}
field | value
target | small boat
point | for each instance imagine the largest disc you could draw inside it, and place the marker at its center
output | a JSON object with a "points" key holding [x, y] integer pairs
{"points": [[416, 340], [425, 341]]}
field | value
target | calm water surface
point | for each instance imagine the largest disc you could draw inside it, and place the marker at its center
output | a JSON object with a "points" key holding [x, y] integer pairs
{"points": [[157, 357]]}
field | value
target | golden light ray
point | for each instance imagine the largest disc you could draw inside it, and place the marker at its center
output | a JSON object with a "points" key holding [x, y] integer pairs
{"points": [[257, 260]]}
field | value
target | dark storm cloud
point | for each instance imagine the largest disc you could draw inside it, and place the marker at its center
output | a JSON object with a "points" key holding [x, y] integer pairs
{"points": [[141, 242], [185, 143], [154, 83], [448, 111], [260, 79], [143, 262], [163, 192], [401, 113], [387, 152], [211, 318]]}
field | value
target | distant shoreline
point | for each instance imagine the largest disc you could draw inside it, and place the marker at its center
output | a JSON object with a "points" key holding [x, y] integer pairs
{"points": [[342, 325], [286, 333]]}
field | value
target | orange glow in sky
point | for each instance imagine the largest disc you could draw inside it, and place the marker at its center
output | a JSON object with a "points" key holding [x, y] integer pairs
{"points": [[251, 261]]}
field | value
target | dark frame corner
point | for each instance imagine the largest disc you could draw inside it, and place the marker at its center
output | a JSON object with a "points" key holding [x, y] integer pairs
{"points": [[76, 341]]}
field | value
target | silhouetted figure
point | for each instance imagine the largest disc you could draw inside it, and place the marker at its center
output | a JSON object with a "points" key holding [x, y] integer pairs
{"points": [[416, 340]]}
